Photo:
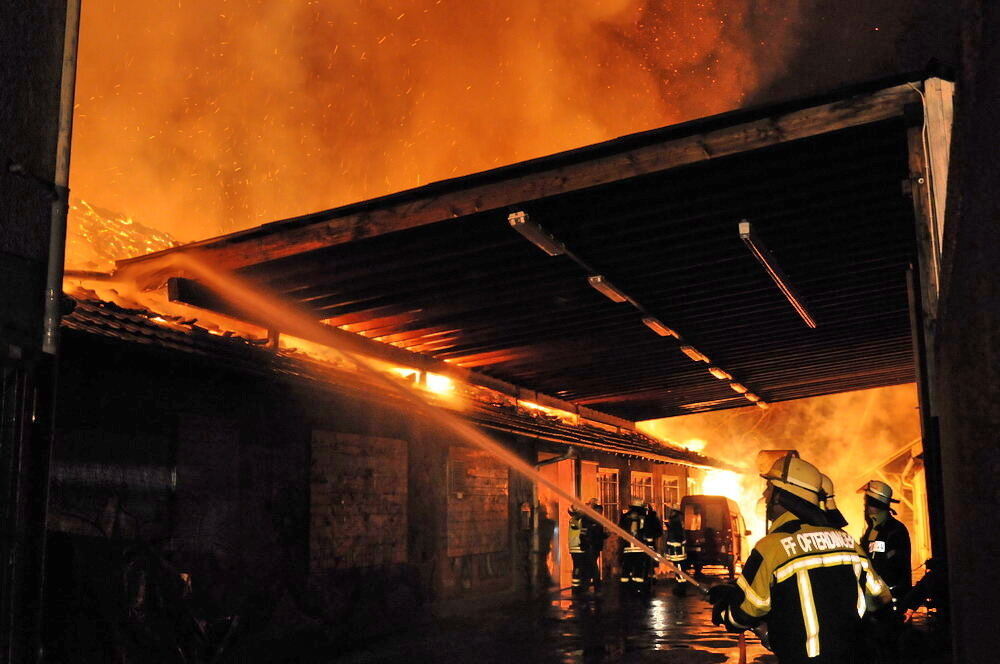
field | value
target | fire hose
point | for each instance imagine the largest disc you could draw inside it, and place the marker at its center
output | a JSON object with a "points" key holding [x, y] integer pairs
{"points": [[760, 631]]}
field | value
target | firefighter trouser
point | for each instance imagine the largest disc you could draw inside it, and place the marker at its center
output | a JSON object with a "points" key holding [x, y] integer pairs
{"points": [[677, 555], [584, 569], [635, 567]]}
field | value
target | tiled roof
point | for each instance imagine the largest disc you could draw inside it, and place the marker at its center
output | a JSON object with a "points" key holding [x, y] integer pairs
{"points": [[140, 326]]}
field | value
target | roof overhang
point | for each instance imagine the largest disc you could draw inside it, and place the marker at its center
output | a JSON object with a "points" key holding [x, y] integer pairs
{"points": [[438, 270]]}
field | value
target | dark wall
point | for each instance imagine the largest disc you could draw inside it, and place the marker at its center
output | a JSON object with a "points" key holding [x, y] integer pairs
{"points": [[31, 53], [241, 480], [31, 48], [968, 350]]}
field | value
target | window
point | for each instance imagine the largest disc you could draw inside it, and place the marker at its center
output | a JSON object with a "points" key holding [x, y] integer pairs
{"points": [[671, 494], [607, 485], [642, 487]]}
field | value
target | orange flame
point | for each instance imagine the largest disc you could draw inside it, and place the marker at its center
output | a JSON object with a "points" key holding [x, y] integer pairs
{"points": [[228, 116], [842, 434]]}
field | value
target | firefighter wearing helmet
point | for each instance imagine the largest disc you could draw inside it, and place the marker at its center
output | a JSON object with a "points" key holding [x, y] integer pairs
{"points": [[886, 540], [637, 521], [809, 581]]}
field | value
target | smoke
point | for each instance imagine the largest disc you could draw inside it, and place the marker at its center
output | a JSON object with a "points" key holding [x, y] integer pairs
{"points": [[200, 118], [845, 435]]}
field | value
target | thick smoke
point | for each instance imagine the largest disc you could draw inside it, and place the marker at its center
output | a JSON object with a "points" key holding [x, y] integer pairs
{"points": [[845, 435]]}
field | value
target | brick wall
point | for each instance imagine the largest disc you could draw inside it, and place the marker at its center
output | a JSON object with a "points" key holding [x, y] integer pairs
{"points": [[478, 504], [358, 488]]}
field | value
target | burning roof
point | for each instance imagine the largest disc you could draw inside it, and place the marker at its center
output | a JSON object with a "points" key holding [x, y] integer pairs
{"points": [[439, 271], [485, 407]]}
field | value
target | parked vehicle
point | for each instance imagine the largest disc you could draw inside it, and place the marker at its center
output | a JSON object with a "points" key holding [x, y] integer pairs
{"points": [[714, 533]]}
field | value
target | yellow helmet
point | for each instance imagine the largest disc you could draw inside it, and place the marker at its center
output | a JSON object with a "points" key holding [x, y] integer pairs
{"points": [[797, 477]]}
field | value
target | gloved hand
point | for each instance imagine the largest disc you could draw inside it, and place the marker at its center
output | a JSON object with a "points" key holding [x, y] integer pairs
{"points": [[722, 597], [724, 593]]}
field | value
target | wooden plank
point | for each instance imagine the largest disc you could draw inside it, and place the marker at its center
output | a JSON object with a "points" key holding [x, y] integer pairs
{"points": [[938, 118], [330, 228]]}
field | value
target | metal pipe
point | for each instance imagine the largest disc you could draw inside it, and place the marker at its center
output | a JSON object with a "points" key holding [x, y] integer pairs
{"points": [[60, 203]]}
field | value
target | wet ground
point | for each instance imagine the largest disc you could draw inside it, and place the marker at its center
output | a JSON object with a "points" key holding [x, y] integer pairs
{"points": [[594, 628], [610, 626]]}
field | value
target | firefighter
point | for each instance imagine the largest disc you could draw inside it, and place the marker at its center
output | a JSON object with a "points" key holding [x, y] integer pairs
{"points": [[887, 541], [809, 581], [593, 545], [634, 566], [577, 536], [675, 551], [652, 531]]}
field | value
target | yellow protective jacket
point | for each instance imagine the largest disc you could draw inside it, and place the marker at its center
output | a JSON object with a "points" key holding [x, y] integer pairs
{"points": [[812, 585]]}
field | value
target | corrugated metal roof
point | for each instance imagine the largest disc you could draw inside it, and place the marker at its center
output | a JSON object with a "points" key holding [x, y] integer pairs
{"points": [[474, 293]]}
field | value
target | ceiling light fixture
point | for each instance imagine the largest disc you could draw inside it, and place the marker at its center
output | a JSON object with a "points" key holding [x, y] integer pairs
{"points": [[659, 328], [738, 387], [762, 405], [721, 374], [750, 396], [535, 234], [774, 271], [601, 284], [691, 352]]}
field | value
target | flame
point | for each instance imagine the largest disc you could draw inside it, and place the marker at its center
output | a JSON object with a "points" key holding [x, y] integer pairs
{"points": [[208, 121], [694, 445], [96, 237], [561, 415], [745, 489], [842, 434]]}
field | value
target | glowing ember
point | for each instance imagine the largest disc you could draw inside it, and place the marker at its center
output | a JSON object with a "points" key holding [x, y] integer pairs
{"points": [[96, 237]]}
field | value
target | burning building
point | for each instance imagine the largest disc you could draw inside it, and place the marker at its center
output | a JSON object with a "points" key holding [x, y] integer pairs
{"points": [[738, 261]]}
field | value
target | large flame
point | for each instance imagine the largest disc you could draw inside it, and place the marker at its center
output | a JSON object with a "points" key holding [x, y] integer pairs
{"points": [[198, 118], [845, 435], [206, 117]]}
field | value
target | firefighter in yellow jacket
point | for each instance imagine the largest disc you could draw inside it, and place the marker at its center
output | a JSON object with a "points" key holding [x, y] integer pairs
{"points": [[809, 582]]}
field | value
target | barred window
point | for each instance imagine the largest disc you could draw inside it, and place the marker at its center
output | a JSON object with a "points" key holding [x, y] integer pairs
{"points": [[642, 487], [671, 493], [607, 486]]}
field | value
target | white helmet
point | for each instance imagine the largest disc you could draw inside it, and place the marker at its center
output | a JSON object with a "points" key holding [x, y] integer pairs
{"points": [[797, 477], [879, 492]]}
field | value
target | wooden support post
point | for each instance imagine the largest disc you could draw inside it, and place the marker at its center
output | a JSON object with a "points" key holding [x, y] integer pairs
{"points": [[928, 141]]}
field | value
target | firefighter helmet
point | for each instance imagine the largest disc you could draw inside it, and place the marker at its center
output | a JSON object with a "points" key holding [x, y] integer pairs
{"points": [[827, 498], [834, 515], [637, 502], [798, 477], [880, 492]]}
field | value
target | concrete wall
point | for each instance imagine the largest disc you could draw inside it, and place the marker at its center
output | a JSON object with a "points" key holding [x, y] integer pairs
{"points": [[968, 351]]}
